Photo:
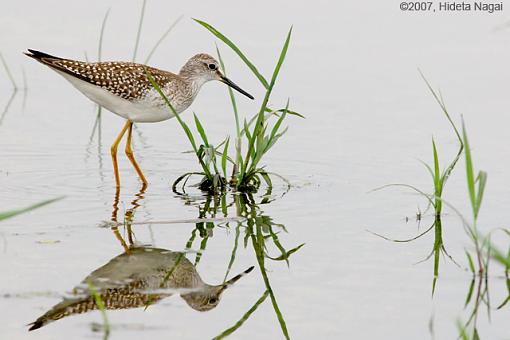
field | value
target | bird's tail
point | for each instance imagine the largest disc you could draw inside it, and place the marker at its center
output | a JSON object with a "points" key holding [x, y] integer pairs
{"points": [[38, 323], [39, 56], [59, 311]]}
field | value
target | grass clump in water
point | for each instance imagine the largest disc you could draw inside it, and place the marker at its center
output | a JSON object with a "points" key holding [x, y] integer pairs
{"points": [[247, 174], [484, 252], [435, 200]]}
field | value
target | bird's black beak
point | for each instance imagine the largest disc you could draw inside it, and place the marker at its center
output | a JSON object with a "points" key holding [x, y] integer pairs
{"points": [[234, 86], [236, 278]]}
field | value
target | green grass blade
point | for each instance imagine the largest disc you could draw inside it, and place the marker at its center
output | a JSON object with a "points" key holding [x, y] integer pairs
{"points": [[470, 263], [203, 246], [245, 317], [12, 213], [230, 44], [266, 178], [293, 113], [9, 74], [167, 101], [437, 174], [278, 245], [502, 304], [102, 308], [500, 257], [482, 180], [462, 330], [283, 54], [258, 246], [224, 158], [279, 122], [234, 251], [475, 334], [160, 40], [247, 130], [201, 130], [429, 169], [259, 123], [442, 105], [181, 122], [470, 293], [139, 31], [285, 256], [438, 245], [231, 94], [176, 264], [101, 34], [238, 143], [469, 170]]}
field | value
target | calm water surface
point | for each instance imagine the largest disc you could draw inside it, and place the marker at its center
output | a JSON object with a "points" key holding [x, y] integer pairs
{"points": [[352, 70]]}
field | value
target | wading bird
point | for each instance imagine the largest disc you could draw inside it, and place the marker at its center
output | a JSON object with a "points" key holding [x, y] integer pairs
{"points": [[124, 89]]}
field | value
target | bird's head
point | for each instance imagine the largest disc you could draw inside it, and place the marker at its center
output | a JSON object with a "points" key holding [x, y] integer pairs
{"points": [[202, 68], [208, 297]]}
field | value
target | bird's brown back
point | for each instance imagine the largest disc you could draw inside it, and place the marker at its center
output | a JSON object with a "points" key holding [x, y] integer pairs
{"points": [[124, 79]]}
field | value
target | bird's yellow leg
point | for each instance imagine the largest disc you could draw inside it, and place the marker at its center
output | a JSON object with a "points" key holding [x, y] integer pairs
{"points": [[113, 151], [129, 154]]}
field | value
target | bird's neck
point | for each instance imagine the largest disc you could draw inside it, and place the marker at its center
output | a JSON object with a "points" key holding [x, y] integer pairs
{"points": [[193, 79], [196, 84]]}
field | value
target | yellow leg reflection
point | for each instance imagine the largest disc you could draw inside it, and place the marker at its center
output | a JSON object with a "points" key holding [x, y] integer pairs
{"points": [[131, 157], [128, 218], [115, 224], [113, 151]]}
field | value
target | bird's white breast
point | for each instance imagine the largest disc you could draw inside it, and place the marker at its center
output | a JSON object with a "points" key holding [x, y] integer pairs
{"points": [[146, 110]]}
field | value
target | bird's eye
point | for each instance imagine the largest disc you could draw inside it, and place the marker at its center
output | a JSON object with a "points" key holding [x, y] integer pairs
{"points": [[212, 301], [212, 67]]}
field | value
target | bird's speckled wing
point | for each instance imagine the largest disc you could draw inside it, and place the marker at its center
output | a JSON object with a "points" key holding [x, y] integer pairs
{"points": [[124, 79]]}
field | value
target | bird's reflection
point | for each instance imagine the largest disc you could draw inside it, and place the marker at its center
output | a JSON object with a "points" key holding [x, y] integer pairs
{"points": [[139, 277]]}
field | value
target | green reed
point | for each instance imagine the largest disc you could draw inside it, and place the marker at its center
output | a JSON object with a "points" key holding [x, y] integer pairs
{"points": [[484, 251], [8, 214], [439, 180], [246, 172], [256, 133], [476, 188], [478, 292]]}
